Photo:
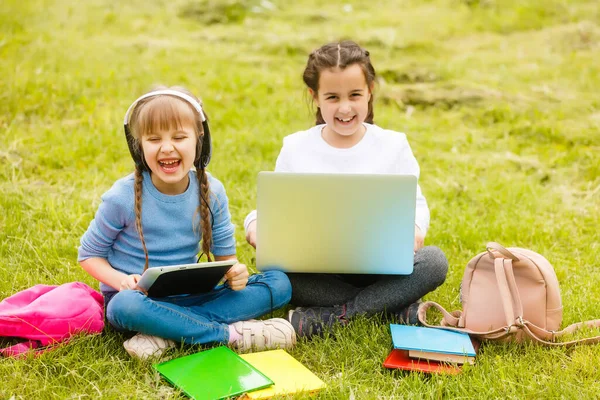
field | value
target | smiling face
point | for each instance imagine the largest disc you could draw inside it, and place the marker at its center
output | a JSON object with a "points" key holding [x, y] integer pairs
{"points": [[343, 98], [170, 155], [168, 133]]}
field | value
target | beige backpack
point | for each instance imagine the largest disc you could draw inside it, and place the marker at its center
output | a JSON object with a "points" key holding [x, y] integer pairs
{"points": [[509, 294]]}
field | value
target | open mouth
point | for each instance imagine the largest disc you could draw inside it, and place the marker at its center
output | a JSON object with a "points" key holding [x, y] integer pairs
{"points": [[169, 165], [346, 121]]}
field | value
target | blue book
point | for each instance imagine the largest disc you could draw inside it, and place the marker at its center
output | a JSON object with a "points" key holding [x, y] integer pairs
{"points": [[433, 344]]}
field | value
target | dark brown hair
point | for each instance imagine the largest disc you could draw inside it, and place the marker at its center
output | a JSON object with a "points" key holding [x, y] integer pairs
{"points": [[338, 55], [164, 112]]}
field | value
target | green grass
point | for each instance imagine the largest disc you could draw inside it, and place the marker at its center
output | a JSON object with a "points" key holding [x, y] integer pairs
{"points": [[499, 100]]}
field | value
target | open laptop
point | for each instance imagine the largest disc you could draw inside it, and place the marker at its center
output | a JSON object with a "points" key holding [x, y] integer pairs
{"points": [[336, 223]]}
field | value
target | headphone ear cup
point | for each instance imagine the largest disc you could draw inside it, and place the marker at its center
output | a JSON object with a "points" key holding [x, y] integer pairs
{"points": [[135, 150]]}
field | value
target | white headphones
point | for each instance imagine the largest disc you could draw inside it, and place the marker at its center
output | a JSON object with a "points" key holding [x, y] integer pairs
{"points": [[204, 148]]}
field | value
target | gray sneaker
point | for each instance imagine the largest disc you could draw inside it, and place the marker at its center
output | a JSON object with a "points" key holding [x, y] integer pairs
{"points": [[407, 316], [314, 321], [274, 333], [147, 346]]}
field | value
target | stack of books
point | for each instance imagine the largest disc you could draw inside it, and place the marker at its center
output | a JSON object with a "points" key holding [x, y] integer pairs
{"points": [[430, 350], [220, 373]]}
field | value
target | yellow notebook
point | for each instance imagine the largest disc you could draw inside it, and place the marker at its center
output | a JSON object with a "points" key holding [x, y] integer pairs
{"points": [[289, 375]]}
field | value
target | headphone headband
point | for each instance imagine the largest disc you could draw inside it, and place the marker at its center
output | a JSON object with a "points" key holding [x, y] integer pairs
{"points": [[204, 147], [169, 92]]}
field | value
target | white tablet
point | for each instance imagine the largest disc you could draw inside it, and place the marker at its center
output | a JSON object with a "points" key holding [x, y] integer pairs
{"points": [[184, 279]]}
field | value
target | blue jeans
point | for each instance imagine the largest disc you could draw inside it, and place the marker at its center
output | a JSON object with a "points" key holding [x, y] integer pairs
{"points": [[202, 318]]}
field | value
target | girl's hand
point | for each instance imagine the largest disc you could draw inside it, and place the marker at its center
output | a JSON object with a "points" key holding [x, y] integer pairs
{"points": [[419, 239], [237, 276], [130, 282]]}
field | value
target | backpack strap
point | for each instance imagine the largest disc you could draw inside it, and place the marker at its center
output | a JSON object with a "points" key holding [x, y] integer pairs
{"points": [[539, 334], [450, 323], [512, 285], [500, 267], [448, 320], [502, 250]]}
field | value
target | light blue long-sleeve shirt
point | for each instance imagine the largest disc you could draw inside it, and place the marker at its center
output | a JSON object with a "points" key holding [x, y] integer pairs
{"points": [[169, 223]]}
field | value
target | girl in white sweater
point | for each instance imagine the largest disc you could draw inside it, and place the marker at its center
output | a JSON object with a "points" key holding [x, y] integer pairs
{"points": [[340, 79]]}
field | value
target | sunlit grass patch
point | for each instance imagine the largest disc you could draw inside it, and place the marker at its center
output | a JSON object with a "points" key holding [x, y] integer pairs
{"points": [[498, 99]]}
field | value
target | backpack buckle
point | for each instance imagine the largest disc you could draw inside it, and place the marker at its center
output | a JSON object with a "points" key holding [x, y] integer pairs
{"points": [[511, 328]]}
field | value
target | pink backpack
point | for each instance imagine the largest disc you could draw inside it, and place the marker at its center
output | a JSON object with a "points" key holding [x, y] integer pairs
{"points": [[510, 294], [46, 315]]}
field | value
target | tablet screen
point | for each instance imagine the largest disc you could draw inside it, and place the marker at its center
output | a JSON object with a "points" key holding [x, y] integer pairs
{"points": [[184, 279]]}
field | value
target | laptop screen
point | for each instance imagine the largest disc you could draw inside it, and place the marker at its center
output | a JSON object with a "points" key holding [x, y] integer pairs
{"points": [[336, 223]]}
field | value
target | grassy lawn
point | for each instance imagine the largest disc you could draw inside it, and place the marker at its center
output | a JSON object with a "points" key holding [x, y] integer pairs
{"points": [[499, 100]]}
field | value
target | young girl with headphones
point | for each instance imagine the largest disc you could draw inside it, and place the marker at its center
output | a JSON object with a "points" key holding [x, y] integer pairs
{"points": [[340, 79], [157, 216]]}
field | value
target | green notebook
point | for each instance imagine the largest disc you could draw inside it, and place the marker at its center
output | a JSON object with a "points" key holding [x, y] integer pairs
{"points": [[213, 374]]}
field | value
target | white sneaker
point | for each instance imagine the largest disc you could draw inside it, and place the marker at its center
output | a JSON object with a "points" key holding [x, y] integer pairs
{"points": [[146, 346], [274, 333]]}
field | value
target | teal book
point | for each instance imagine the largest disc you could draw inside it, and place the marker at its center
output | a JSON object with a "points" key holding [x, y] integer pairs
{"points": [[214, 374], [433, 344]]}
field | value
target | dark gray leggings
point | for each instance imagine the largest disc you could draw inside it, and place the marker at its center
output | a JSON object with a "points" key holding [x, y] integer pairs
{"points": [[372, 294]]}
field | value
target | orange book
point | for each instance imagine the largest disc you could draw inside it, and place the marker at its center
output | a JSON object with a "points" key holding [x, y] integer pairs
{"points": [[399, 359]]}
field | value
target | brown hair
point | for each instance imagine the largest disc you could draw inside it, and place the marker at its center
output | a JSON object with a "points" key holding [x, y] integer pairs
{"points": [[164, 112], [338, 55]]}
